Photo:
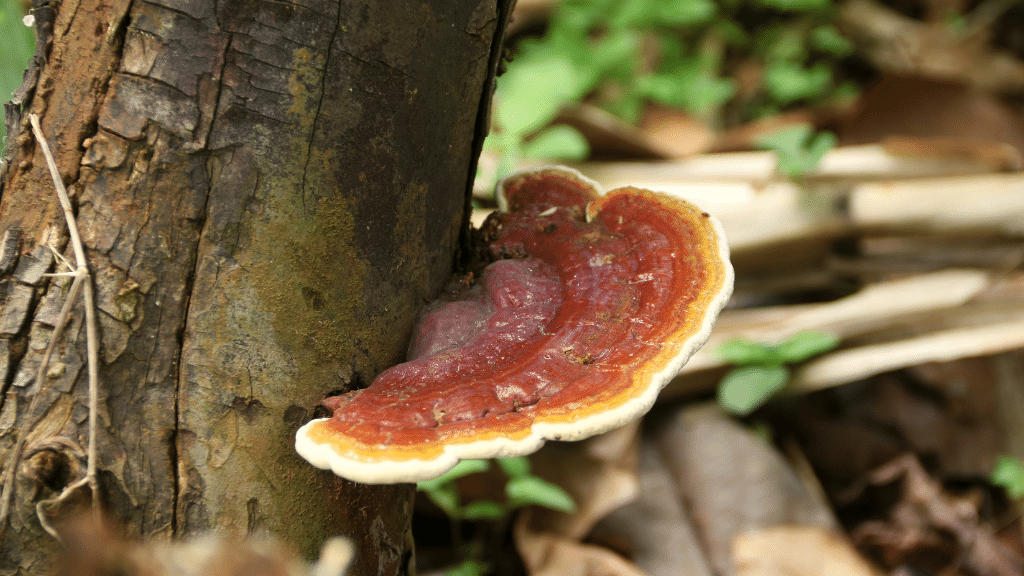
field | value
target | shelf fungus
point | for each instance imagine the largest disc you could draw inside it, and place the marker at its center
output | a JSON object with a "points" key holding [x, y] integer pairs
{"points": [[592, 304]]}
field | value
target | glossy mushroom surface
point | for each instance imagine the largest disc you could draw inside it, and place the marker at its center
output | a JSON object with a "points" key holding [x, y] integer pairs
{"points": [[592, 306]]}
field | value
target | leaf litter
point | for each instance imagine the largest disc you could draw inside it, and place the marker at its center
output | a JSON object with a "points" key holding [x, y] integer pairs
{"points": [[904, 242]]}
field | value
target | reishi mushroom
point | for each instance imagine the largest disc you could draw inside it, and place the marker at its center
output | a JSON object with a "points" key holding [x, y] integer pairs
{"points": [[594, 303]]}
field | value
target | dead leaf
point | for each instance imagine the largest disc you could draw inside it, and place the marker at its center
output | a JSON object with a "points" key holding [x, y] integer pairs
{"points": [[917, 116], [734, 480], [892, 42], [927, 511], [599, 473], [674, 133], [548, 554], [797, 551], [654, 531]]}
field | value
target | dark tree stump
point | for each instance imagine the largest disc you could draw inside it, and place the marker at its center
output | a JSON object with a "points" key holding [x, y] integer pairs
{"points": [[268, 192]]}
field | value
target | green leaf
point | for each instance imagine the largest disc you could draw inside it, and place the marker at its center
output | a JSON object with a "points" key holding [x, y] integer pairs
{"points": [[444, 497], [528, 490], [669, 13], [810, 156], [535, 88], [782, 43], [463, 468], [788, 81], [468, 568], [806, 345], [629, 106], [1009, 473], [743, 352], [829, 40], [846, 93], [483, 510], [630, 13], [518, 467], [613, 55], [798, 152], [745, 389], [682, 13], [732, 33], [691, 83], [795, 5], [559, 142], [790, 140]]}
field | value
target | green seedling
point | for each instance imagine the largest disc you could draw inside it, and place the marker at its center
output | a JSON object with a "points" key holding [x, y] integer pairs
{"points": [[468, 568], [623, 54], [442, 490], [559, 142], [798, 149], [522, 488], [1009, 473], [761, 369], [525, 489]]}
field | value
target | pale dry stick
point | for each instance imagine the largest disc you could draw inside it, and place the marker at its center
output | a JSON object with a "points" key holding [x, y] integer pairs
{"points": [[91, 336], [81, 277]]}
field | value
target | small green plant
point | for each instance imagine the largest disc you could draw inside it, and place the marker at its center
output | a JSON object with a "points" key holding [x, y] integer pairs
{"points": [[1009, 473], [522, 488], [623, 54], [798, 149], [761, 369]]}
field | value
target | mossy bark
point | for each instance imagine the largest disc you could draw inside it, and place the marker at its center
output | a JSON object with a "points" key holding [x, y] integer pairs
{"points": [[268, 192]]}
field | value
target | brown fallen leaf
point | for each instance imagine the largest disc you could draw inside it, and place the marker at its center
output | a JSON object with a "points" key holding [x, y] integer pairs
{"points": [[927, 511], [733, 480], [921, 117], [674, 133], [797, 551], [548, 554], [654, 531], [945, 410], [895, 43], [599, 473]]}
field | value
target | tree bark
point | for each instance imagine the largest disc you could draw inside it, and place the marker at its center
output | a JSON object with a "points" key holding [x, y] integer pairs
{"points": [[268, 192]]}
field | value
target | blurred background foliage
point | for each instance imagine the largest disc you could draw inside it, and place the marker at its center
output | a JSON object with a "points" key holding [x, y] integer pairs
{"points": [[17, 43], [724, 62]]}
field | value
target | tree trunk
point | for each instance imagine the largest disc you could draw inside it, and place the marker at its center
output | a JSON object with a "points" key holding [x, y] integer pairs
{"points": [[268, 191]]}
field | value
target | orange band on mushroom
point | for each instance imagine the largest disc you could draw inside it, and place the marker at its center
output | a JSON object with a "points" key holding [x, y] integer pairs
{"points": [[598, 303]]}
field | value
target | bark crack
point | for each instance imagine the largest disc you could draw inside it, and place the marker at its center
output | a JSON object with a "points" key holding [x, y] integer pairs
{"points": [[319, 104], [205, 138], [154, 81], [504, 9], [174, 443], [174, 446], [170, 8], [74, 14], [373, 63]]}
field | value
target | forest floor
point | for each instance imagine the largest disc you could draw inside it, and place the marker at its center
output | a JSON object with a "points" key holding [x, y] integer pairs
{"points": [[899, 451]]}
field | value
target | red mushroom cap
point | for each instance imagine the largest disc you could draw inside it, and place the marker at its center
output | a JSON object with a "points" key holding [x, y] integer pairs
{"points": [[597, 304]]}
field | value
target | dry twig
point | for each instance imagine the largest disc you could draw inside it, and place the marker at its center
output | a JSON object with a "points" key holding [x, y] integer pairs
{"points": [[81, 282]]}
